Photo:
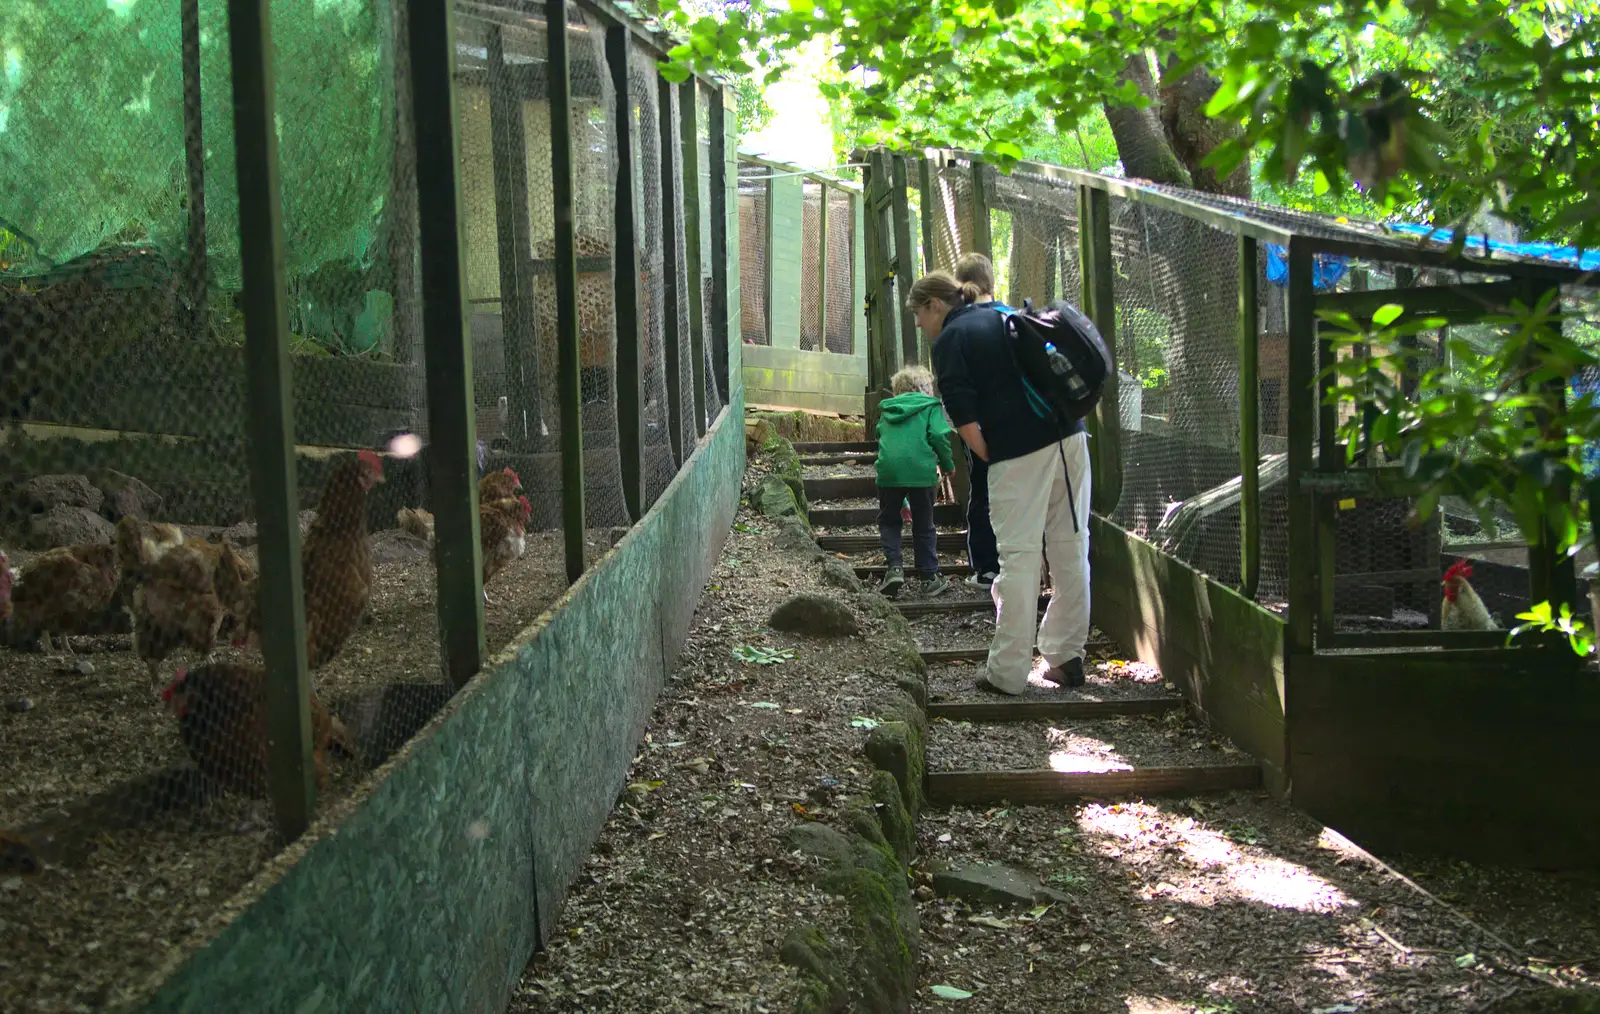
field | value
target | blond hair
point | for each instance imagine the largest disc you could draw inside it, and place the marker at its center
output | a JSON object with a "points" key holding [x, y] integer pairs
{"points": [[912, 378], [976, 269], [941, 285]]}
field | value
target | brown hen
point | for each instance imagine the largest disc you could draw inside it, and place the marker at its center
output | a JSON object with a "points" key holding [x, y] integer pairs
{"points": [[222, 720], [63, 591]]}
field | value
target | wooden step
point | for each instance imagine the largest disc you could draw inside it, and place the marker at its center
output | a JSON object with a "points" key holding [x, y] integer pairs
{"points": [[865, 460], [948, 541], [1030, 710], [930, 607], [850, 517], [984, 788], [824, 447], [876, 571], [944, 656], [841, 488]]}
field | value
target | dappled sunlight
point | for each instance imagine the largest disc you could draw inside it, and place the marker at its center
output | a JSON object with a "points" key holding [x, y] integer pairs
{"points": [[1228, 871], [1076, 753]]}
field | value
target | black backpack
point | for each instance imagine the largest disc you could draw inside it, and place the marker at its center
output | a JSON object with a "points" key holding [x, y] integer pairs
{"points": [[1061, 356]]}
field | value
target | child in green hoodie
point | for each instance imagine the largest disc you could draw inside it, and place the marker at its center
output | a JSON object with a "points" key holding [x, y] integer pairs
{"points": [[913, 450]]}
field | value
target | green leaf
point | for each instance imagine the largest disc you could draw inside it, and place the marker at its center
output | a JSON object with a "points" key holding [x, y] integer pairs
{"points": [[1387, 314], [944, 992]]}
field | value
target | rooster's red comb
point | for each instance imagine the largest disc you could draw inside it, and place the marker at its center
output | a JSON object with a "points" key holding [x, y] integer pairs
{"points": [[1460, 568], [371, 460], [512, 475], [527, 508]]}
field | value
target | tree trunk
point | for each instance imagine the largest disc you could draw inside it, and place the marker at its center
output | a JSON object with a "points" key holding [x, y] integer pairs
{"points": [[1191, 267]]}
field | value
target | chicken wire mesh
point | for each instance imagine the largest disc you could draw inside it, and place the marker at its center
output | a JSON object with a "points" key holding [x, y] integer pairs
{"points": [[660, 465], [839, 313], [135, 724], [676, 236], [708, 294], [754, 201], [810, 267], [952, 215]]}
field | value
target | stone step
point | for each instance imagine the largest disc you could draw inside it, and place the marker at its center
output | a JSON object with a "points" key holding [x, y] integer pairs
{"points": [[948, 541], [931, 607], [841, 488], [864, 459]]}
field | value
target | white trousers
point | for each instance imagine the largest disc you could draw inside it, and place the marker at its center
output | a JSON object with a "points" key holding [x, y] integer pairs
{"points": [[1030, 506]]}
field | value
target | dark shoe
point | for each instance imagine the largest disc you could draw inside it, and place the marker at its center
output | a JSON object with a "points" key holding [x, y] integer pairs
{"points": [[983, 580], [934, 586], [892, 581], [1069, 674]]}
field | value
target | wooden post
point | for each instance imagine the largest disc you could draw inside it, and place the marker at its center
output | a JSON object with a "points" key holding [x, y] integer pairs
{"points": [[925, 207], [905, 263], [1099, 281], [1330, 459], [519, 327], [671, 340], [569, 384], [1302, 422], [194, 152], [720, 307], [1249, 421], [982, 240], [769, 207], [446, 348], [822, 265], [625, 278], [270, 399], [689, 129], [880, 286]]}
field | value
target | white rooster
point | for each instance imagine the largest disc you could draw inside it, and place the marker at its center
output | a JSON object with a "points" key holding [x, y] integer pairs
{"points": [[1462, 608]]}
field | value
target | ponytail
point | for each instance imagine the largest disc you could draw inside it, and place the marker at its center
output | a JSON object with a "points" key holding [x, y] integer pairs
{"points": [[942, 286], [970, 293]]}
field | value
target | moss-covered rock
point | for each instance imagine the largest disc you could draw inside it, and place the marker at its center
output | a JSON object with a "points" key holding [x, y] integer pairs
{"points": [[897, 746], [893, 819], [792, 536], [774, 498], [876, 949], [814, 614], [840, 575], [900, 642], [825, 976], [916, 688], [808, 427]]}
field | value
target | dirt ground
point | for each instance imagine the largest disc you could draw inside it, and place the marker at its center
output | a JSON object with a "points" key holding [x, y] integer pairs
{"points": [[1234, 903], [690, 890], [147, 869]]}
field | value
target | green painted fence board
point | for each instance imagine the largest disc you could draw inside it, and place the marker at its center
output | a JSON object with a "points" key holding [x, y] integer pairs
{"points": [[785, 261]]}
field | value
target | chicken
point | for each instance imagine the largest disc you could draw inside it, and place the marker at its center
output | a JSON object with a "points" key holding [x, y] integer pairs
{"points": [[1462, 609], [140, 542], [501, 485], [63, 591], [222, 720], [6, 579], [502, 532], [177, 593], [416, 522], [496, 486], [17, 855], [335, 563]]}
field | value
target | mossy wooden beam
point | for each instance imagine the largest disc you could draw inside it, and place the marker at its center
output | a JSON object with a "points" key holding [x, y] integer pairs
{"points": [[625, 279], [568, 361]]}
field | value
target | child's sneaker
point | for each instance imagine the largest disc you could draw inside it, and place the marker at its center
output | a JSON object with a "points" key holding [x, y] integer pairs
{"points": [[892, 581], [982, 580], [934, 586]]}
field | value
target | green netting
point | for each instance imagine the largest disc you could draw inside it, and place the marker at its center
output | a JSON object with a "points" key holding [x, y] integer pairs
{"points": [[92, 138]]}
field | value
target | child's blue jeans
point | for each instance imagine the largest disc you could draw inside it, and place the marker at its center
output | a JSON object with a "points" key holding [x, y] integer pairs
{"points": [[925, 539]]}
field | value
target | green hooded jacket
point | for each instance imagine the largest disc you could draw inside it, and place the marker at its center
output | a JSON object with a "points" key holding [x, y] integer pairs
{"points": [[913, 441]]}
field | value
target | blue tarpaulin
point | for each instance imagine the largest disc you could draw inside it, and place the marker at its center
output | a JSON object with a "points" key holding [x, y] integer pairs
{"points": [[1587, 260], [1326, 271]]}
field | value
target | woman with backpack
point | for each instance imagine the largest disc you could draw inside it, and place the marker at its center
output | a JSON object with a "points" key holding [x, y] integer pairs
{"points": [[1038, 481]]}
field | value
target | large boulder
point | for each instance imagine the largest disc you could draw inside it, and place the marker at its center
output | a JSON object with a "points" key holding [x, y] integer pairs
{"points": [[774, 498], [47, 492], [988, 885], [813, 614], [128, 497], [69, 526]]}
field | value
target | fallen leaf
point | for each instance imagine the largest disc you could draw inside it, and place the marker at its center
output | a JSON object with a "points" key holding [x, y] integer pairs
{"points": [[990, 921], [764, 704], [944, 992]]}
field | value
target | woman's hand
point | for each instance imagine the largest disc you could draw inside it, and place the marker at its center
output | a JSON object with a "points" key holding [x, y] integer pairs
{"points": [[973, 437]]}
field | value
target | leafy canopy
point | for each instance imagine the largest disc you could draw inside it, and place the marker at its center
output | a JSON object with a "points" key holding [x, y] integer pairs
{"points": [[1440, 104]]}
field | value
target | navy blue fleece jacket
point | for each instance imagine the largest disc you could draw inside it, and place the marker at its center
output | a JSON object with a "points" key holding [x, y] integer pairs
{"points": [[979, 382]]}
